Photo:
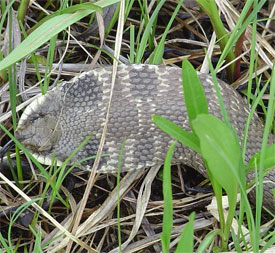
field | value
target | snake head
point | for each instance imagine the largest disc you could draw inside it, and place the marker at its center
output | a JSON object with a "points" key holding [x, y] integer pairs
{"points": [[38, 128]]}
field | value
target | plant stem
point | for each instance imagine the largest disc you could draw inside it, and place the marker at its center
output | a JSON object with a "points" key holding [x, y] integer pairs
{"points": [[23, 7]]}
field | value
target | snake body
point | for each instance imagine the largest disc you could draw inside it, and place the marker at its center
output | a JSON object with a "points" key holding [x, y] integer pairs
{"points": [[60, 120]]}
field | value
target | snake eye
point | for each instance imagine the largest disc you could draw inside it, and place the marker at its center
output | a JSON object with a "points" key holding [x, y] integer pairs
{"points": [[34, 116], [41, 115]]}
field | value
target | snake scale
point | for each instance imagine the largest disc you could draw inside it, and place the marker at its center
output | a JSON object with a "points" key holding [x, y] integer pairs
{"points": [[60, 120]]}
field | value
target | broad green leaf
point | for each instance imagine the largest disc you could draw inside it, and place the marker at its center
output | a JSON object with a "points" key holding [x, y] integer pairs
{"points": [[167, 223], [176, 132], [186, 241], [45, 32], [269, 158], [194, 96], [221, 150]]}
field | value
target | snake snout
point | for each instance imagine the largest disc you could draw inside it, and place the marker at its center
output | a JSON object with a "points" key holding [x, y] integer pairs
{"points": [[38, 133]]}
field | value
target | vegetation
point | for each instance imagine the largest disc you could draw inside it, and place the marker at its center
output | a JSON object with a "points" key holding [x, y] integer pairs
{"points": [[41, 38]]}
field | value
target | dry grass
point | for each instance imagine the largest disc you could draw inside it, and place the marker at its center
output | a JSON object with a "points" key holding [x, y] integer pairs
{"points": [[140, 191]]}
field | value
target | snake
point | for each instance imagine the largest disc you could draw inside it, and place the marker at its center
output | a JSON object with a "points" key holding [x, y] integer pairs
{"points": [[60, 120]]}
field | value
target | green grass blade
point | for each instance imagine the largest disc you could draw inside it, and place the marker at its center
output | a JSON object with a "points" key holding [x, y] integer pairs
{"points": [[239, 28], [78, 7], [45, 32], [157, 56], [167, 223], [208, 239], [219, 95], [146, 34], [41, 35], [186, 241], [22, 10], [5, 245], [118, 190], [132, 44], [256, 101], [16, 215], [69, 10], [5, 13], [252, 58], [39, 166], [270, 243], [38, 239], [212, 11], [50, 59], [259, 187], [236, 241]]}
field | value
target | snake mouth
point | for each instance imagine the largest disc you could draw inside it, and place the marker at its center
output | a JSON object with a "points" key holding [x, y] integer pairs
{"points": [[42, 153], [39, 129], [47, 159], [42, 156]]}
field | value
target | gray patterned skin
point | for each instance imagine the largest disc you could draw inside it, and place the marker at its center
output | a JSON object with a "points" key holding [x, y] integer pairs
{"points": [[60, 120]]}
